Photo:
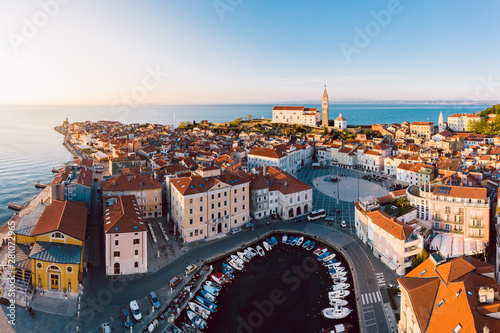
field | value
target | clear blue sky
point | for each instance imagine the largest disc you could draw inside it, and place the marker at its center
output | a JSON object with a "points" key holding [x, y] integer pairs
{"points": [[246, 51]]}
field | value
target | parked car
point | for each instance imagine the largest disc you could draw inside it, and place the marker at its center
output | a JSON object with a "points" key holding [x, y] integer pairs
{"points": [[249, 225], [136, 312], [235, 230], [329, 218], [126, 317], [299, 219], [105, 328], [154, 300], [343, 224], [174, 281], [190, 269]]}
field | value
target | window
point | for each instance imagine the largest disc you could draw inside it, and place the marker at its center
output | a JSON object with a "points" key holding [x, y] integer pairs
{"points": [[190, 201], [244, 198], [116, 254], [201, 232], [213, 196], [201, 199], [235, 190], [57, 235], [218, 204], [190, 210], [441, 302], [243, 207], [225, 202], [191, 234], [235, 209], [213, 206], [218, 195], [235, 200], [190, 221], [196, 232], [136, 264], [201, 218], [136, 241], [201, 208], [116, 242], [243, 190], [225, 194], [136, 252]]}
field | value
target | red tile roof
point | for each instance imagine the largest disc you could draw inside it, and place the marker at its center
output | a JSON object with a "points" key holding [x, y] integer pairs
{"points": [[68, 217], [122, 216]]}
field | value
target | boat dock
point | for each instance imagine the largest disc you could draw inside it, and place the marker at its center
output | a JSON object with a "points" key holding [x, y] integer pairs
{"points": [[40, 185], [15, 206]]}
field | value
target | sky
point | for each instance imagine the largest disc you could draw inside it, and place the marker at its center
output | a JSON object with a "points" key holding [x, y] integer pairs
{"points": [[240, 51]]}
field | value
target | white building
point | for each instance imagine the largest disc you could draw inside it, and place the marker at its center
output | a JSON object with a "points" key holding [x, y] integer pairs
{"points": [[125, 236], [340, 122], [460, 122], [288, 158], [296, 115]]}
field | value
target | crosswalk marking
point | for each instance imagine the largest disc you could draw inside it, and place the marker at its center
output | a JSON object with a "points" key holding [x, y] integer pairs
{"points": [[380, 279], [369, 298]]}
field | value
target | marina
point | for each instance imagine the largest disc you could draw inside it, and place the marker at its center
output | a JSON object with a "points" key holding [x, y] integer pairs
{"points": [[236, 297]]}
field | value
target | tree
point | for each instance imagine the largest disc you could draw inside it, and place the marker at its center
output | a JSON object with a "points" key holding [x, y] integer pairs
{"points": [[249, 116], [419, 258]]}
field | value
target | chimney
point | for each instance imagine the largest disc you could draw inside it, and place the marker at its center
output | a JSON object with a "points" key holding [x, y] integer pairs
{"points": [[264, 169], [486, 329]]}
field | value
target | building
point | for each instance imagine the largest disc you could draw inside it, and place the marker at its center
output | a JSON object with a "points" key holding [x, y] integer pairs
{"points": [[458, 295], [422, 129], [460, 122], [458, 216], [73, 184], [209, 204], [130, 161], [340, 122], [288, 158], [415, 174], [277, 192], [392, 241], [55, 260], [147, 191], [296, 115], [125, 236], [324, 109]]}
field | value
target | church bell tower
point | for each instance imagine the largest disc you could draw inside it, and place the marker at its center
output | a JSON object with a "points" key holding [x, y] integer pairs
{"points": [[324, 109]]}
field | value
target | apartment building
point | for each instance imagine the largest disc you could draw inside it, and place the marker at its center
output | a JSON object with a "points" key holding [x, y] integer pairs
{"points": [[297, 115], [415, 174], [125, 236], [422, 129], [459, 217], [460, 122], [287, 158], [209, 204], [129, 161], [147, 191], [73, 184]]}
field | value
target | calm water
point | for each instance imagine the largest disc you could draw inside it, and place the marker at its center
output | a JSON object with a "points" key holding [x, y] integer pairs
{"points": [[31, 148], [284, 291]]}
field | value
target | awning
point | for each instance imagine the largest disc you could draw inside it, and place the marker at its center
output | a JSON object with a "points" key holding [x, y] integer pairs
{"points": [[470, 246], [446, 245], [458, 246], [436, 243]]}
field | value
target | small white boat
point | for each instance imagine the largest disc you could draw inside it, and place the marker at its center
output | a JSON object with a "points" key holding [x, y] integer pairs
{"points": [[260, 250], [338, 301], [323, 251], [330, 257], [300, 241], [284, 238], [338, 274], [339, 328], [199, 310], [266, 246], [340, 286], [339, 279], [235, 265], [336, 312], [197, 320], [242, 256], [338, 294], [252, 251], [333, 265]]}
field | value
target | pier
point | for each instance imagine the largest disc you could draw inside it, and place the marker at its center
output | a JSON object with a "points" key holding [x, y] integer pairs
{"points": [[15, 206], [40, 185]]}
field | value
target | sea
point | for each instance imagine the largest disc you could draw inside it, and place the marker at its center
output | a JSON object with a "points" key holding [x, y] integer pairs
{"points": [[30, 147]]}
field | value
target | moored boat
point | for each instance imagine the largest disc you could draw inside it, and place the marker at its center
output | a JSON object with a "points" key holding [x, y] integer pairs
{"points": [[206, 303], [223, 277], [339, 279], [338, 294], [216, 279], [273, 239], [338, 301], [260, 250], [227, 267], [284, 238], [266, 246], [213, 285], [318, 250], [228, 274], [329, 262], [299, 242], [236, 265], [336, 312], [252, 251], [340, 286], [243, 256], [306, 244], [294, 241], [199, 310], [248, 254], [211, 290], [311, 246], [324, 255], [289, 240], [330, 257], [338, 274], [197, 320]]}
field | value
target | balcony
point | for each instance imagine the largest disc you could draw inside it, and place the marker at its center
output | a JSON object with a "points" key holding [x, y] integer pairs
{"points": [[458, 213], [476, 236], [451, 231], [476, 226], [438, 219]]}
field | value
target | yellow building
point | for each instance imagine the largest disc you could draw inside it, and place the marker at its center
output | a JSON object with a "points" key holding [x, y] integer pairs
{"points": [[49, 253]]}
